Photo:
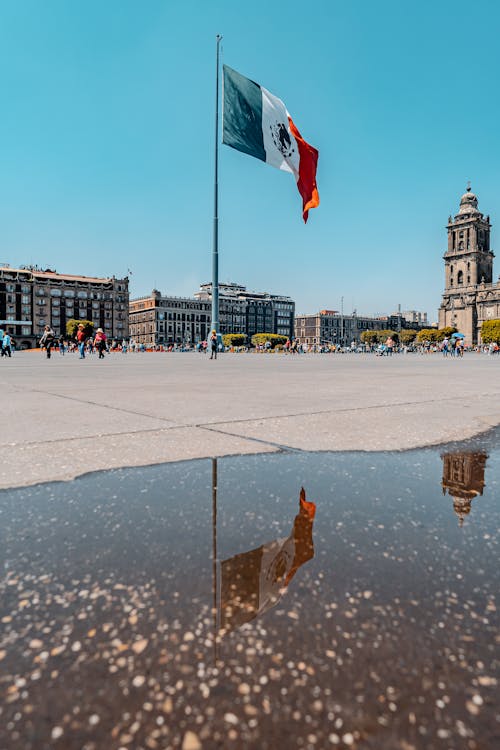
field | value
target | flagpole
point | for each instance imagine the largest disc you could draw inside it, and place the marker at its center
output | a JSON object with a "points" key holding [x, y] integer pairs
{"points": [[215, 254]]}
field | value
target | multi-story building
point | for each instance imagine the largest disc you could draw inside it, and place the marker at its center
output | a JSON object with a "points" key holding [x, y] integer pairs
{"points": [[470, 295], [242, 311], [415, 317], [331, 327], [31, 298], [158, 320]]}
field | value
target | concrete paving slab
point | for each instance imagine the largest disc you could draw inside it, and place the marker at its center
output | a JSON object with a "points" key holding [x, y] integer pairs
{"points": [[62, 460], [127, 409]]}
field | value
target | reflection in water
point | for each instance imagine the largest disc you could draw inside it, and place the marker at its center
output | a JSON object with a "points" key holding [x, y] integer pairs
{"points": [[254, 581], [463, 477]]}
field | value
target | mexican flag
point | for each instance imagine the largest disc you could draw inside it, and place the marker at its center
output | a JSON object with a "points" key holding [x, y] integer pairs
{"points": [[257, 123]]}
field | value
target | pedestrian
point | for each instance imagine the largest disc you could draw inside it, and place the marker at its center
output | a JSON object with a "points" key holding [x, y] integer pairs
{"points": [[213, 344], [445, 346], [6, 345], [47, 340], [1, 337], [62, 348], [80, 337], [100, 342]]}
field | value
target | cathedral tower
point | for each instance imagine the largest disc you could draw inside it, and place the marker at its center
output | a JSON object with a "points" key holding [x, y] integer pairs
{"points": [[468, 260], [468, 264]]}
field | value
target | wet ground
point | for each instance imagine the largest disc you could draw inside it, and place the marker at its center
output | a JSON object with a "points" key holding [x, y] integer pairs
{"points": [[210, 604]]}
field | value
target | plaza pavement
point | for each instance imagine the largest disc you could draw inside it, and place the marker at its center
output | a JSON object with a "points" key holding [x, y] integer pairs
{"points": [[65, 417]]}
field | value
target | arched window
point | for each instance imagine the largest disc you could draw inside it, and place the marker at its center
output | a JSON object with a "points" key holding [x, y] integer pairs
{"points": [[460, 277]]}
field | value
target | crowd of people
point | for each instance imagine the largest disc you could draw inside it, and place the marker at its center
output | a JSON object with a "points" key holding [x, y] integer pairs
{"points": [[85, 344]]}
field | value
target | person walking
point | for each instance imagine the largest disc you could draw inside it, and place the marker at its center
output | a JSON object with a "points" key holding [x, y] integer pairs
{"points": [[213, 344], [80, 337], [6, 345], [445, 346], [2, 333], [47, 340], [100, 342]]}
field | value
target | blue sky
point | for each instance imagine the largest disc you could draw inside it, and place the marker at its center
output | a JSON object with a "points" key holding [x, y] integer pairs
{"points": [[106, 143]]}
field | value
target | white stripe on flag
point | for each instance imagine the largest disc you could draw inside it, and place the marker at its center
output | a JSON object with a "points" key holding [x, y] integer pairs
{"points": [[280, 145]]}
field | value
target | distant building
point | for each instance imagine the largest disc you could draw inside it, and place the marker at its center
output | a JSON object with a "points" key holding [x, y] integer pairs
{"points": [[416, 317], [31, 298], [157, 319], [242, 311], [163, 320], [331, 327], [470, 295]]}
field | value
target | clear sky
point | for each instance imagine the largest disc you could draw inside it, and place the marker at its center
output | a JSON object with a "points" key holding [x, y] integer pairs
{"points": [[107, 137]]}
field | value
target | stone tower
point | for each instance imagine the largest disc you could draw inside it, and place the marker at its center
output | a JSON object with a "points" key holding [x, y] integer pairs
{"points": [[468, 266]]}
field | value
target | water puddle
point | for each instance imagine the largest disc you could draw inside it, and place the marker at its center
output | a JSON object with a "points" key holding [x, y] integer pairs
{"points": [[277, 601]]}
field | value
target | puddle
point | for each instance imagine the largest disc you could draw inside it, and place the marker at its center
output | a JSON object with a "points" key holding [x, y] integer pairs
{"points": [[203, 605]]}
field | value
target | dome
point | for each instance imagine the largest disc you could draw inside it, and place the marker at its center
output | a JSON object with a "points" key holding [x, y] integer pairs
{"points": [[468, 202]]}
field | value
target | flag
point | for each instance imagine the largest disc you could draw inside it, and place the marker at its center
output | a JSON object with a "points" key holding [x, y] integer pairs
{"points": [[257, 122], [253, 582]]}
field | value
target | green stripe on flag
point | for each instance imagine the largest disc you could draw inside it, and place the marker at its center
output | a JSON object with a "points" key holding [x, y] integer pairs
{"points": [[242, 114]]}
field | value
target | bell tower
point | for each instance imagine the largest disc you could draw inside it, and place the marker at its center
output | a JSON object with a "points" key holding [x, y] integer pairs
{"points": [[468, 268], [468, 260]]}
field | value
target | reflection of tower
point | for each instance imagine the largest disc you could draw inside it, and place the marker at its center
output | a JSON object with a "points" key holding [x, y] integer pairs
{"points": [[463, 477]]}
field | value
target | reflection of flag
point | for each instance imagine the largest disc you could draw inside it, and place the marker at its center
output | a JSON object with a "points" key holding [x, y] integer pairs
{"points": [[257, 123], [253, 582]]}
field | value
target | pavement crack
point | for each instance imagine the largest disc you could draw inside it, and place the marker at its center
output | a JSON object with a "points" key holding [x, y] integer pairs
{"points": [[283, 448]]}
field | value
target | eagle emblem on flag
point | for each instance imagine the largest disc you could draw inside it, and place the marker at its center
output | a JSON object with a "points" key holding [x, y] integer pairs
{"points": [[281, 139]]}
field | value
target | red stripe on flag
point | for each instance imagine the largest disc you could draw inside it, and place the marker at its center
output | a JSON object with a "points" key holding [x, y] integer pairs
{"points": [[307, 172]]}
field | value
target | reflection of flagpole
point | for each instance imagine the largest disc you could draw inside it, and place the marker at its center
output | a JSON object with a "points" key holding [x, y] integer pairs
{"points": [[214, 552]]}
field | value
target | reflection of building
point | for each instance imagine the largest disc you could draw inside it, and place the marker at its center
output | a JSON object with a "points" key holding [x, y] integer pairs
{"points": [[470, 296], [31, 298], [463, 478]]}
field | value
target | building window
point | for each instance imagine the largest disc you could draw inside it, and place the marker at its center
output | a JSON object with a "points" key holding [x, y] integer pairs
{"points": [[55, 292], [26, 331], [460, 277]]}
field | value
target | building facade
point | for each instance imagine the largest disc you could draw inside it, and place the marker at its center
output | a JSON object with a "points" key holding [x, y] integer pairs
{"points": [[331, 327], [156, 320], [470, 295], [31, 298], [242, 311]]}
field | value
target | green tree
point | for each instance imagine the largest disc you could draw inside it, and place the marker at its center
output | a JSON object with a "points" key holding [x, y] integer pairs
{"points": [[234, 339], [445, 333], [72, 327], [407, 335], [385, 334], [369, 337], [490, 331], [428, 334], [274, 338]]}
